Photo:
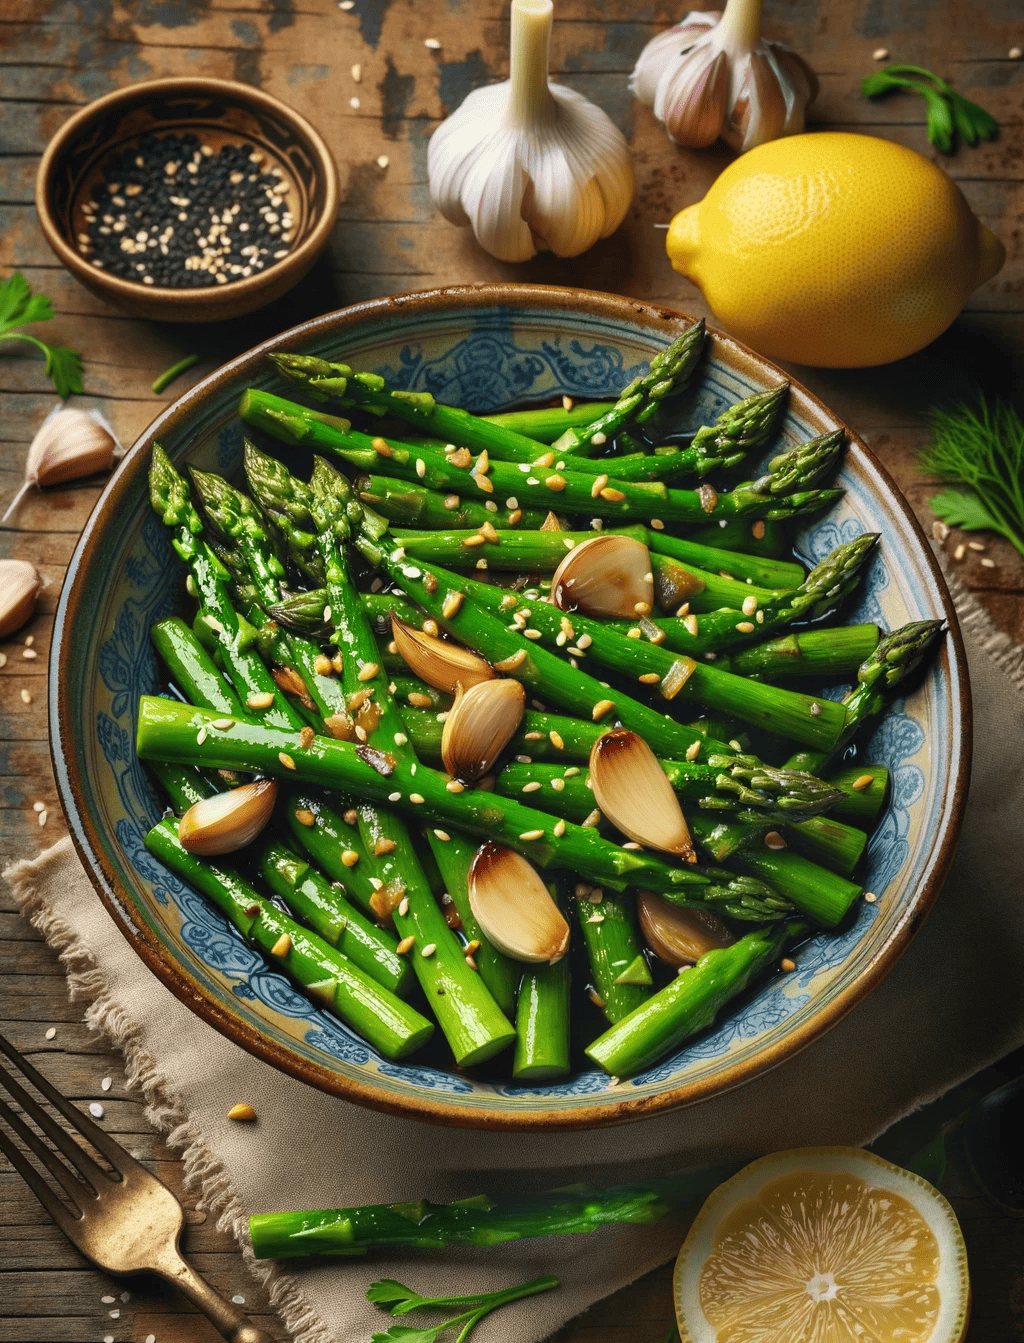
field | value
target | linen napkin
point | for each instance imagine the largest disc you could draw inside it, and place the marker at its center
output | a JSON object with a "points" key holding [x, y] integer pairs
{"points": [[954, 1004]]}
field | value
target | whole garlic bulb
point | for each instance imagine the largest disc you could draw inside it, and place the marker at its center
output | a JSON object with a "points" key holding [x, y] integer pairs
{"points": [[712, 76], [529, 165]]}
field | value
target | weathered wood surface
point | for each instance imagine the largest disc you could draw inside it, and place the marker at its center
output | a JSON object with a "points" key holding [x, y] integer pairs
{"points": [[56, 55]]}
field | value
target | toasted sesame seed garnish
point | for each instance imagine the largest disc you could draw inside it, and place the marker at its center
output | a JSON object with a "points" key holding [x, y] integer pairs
{"points": [[406, 945], [487, 529], [282, 946], [745, 627], [51, 1033], [349, 857], [584, 641], [556, 740], [649, 678], [454, 786], [451, 606], [642, 608], [572, 771], [558, 785], [419, 700], [988, 564], [960, 551], [328, 613], [432, 44], [511, 663], [815, 709], [757, 530], [376, 883], [322, 665], [39, 806], [749, 605], [532, 634], [201, 736], [862, 782], [531, 787], [262, 699], [29, 653], [443, 836], [596, 918], [485, 484], [368, 671], [394, 797], [429, 949], [693, 750], [304, 816], [633, 632], [241, 1113], [403, 906], [870, 897], [286, 760], [532, 834], [451, 501], [338, 662], [384, 846], [470, 961], [592, 820], [381, 447], [599, 483], [612, 495], [30, 641], [545, 459], [975, 545], [416, 798], [514, 516], [307, 737], [602, 707], [595, 997], [773, 840], [657, 524], [690, 624]]}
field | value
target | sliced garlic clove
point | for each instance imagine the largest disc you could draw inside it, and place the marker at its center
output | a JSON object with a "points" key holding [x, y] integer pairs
{"points": [[674, 585], [480, 725], [631, 789], [443, 665], [228, 821], [608, 575], [69, 445], [19, 592], [551, 523], [679, 935], [514, 908]]}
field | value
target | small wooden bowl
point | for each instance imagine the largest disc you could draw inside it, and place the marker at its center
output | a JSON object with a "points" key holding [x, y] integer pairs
{"points": [[219, 112]]}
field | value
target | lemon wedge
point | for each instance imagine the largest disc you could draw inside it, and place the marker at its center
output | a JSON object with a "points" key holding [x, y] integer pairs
{"points": [[823, 1245]]}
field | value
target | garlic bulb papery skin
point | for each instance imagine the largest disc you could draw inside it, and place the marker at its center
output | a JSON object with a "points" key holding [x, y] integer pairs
{"points": [[69, 445], [529, 165], [713, 77]]}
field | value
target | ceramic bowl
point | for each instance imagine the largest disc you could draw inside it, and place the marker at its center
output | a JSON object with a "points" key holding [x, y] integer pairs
{"points": [[219, 112], [486, 348]]}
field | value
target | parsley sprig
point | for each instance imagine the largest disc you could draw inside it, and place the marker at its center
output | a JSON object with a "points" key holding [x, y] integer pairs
{"points": [[981, 448], [471, 1309], [947, 113], [19, 307]]}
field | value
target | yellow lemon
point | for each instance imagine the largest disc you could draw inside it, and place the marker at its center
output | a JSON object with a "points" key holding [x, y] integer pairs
{"points": [[823, 1245], [835, 250]]}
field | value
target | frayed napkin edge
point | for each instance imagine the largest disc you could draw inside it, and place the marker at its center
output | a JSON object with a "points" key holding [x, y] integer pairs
{"points": [[201, 1169], [977, 625]]}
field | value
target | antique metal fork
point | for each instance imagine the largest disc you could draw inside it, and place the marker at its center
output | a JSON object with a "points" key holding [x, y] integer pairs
{"points": [[125, 1222]]}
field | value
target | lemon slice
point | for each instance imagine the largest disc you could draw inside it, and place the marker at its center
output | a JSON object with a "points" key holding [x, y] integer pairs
{"points": [[823, 1245]]}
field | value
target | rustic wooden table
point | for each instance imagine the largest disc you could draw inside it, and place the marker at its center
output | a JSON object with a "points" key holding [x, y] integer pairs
{"points": [[415, 61]]}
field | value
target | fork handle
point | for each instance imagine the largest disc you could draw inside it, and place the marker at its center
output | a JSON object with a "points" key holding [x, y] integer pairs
{"points": [[233, 1323]]}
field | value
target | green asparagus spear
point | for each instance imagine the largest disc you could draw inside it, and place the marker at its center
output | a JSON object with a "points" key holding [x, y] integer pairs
{"points": [[690, 1002], [621, 976], [481, 1221], [764, 538], [787, 712], [168, 731], [192, 668], [333, 981], [235, 637], [546, 423], [787, 490], [411, 505], [542, 1021]]}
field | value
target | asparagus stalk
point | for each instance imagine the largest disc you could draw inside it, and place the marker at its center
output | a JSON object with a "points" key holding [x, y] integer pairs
{"points": [[789, 713], [473, 1024], [824, 896], [546, 423], [170, 499], [621, 975], [168, 731], [453, 855], [333, 843], [864, 789], [756, 569], [542, 1022], [192, 669], [577, 1210], [412, 505], [331, 979], [690, 1002], [828, 841], [669, 373], [823, 590], [787, 490], [765, 538]]}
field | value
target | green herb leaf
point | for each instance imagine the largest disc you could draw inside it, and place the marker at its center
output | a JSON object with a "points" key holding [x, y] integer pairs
{"points": [[947, 113], [18, 307], [410, 1333], [403, 1299], [958, 509], [387, 1292]]}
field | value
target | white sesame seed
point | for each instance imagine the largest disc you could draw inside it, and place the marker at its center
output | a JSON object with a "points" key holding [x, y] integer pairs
{"points": [[416, 798], [96, 1110], [988, 564], [51, 1033], [394, 797], [403, 907], [880, 54], [382, 160], [1015, 53], [429, 950], [432, 44], [353, 102], [106, 1084], [357, 73], [38, 806], [870, 897], [43, 816]]}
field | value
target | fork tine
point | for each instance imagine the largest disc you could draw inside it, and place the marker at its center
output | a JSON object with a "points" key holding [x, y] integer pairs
{"points": [[76, 1155], [39, 1187], [74, 1190], [103, 1142]]}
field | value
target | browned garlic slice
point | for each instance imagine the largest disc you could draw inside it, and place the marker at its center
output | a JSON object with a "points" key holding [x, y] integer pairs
{"points": [[480, 725], [608, 575], [631, 789], [228, 821], [514, 908], [679, 935], [19, 592], [443, 665]]}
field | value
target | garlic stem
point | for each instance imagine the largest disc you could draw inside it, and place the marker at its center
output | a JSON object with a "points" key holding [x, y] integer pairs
{"points": [[529, 96], [740, 26]]}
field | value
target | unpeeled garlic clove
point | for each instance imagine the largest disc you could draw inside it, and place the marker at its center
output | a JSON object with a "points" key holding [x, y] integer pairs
{"points": [[19, 592], [514, 908], [443, 665], [713, 76], [608, 575], [480, 725], [228, 821], [679, 934], [631, 789], [69, 445]]}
